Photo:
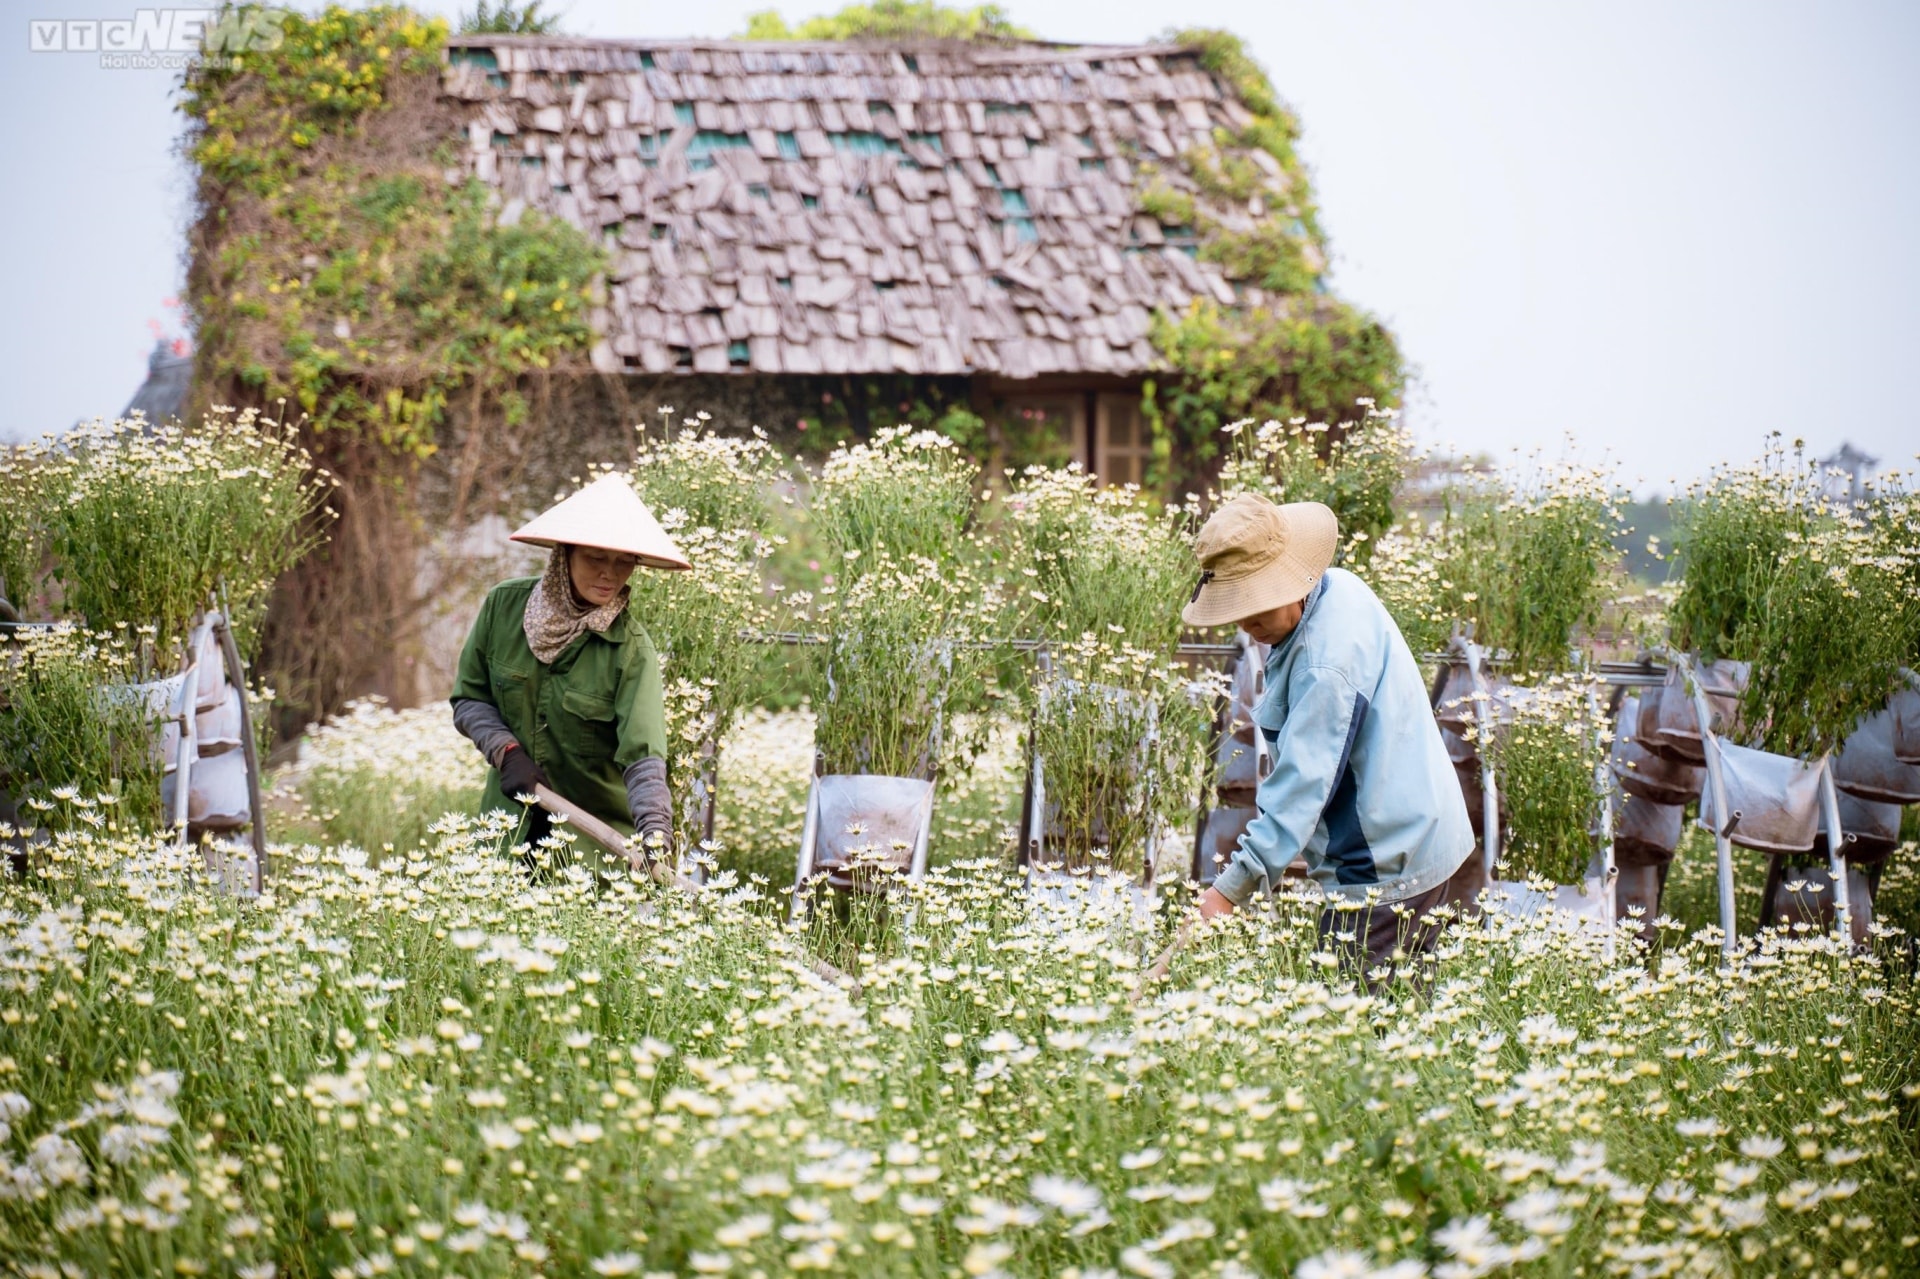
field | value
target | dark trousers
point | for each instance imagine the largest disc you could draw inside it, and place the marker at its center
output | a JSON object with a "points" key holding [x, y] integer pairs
{"points": [[1388, 941]]}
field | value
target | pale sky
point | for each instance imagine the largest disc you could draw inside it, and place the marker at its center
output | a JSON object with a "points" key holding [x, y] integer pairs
{"points": [[1660, 229]]}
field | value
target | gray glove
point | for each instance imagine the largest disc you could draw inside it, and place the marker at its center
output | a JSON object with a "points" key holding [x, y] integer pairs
{"points": [[482, 724], [647, 799]]}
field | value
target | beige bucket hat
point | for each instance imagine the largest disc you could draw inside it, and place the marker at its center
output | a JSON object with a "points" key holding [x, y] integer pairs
{"points": [[1255, 555], [607, 514]]}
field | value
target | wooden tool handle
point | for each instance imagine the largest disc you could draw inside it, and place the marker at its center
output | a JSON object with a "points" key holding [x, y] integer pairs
{"points": [[610, 839]]}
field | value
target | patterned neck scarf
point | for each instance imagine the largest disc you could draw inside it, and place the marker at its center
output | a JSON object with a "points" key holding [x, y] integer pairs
{"points": [[554, 620]]}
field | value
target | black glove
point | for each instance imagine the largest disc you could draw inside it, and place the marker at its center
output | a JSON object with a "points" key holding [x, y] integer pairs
{"points": [[519, 774]]}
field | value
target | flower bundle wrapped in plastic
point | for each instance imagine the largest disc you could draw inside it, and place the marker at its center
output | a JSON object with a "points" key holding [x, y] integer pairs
{"points": [[144, 521], [1531, 564], [910, 608], [1546, 750], [713, 494], [1815, 592], [1121, 733]]}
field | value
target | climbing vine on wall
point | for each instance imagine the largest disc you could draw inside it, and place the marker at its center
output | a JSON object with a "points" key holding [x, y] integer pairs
{"points": [[1226, 366], [342, 262], [337, 264], [1289, 349]]}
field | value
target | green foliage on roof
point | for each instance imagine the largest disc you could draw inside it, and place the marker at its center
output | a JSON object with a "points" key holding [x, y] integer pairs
{"points": [[891, 20], [1318, 361], [508, 18]]}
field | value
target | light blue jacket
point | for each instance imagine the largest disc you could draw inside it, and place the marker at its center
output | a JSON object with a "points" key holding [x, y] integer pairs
{"points": [[1361, 785]]}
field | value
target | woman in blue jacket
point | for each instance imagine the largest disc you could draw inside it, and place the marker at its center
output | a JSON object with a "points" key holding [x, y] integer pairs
{"points": [[1361, 787]]}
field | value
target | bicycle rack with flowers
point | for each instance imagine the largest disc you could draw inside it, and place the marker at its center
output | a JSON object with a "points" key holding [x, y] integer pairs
{"points": [[864, 830], [1050, 872], [204, 738]]}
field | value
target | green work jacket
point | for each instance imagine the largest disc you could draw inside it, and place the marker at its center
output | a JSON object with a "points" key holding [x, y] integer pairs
{"points": [[587, 716]]}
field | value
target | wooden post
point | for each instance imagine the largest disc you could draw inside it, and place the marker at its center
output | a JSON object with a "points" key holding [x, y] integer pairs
{"points": [[237, 675]]}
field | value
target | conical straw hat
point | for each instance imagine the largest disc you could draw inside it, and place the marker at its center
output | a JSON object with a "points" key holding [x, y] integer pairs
{"points": [[607, 514]]}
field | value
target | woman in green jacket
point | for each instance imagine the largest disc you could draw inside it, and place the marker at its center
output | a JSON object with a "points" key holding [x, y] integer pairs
{"points": [[558, 684]]}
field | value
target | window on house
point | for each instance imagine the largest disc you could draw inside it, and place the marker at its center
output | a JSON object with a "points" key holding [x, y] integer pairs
{"points": [[1122, 444], [1064, 417], [738, 355]]}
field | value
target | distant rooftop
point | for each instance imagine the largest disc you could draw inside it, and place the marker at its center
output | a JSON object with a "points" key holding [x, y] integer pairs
{"points": [[164, 393], [863, 207]]}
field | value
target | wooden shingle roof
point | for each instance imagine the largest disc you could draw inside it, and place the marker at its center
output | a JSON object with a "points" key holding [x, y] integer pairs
{"points": [[934, 208]]}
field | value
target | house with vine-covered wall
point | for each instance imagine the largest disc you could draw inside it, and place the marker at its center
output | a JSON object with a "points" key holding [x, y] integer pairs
{"points": [[467, 265], [1039, 247]]}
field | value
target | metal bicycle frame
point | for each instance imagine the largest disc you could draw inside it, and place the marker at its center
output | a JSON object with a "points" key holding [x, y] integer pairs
{"points": [[810, 824], [1223, 727], [186, 713], [1724, 821], [1477, 661], [810, 845]]}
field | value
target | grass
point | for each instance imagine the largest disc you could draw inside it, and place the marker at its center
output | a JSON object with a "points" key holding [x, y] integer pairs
{"points": [[411, 1057], [377, 780], [440, 1067]]}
